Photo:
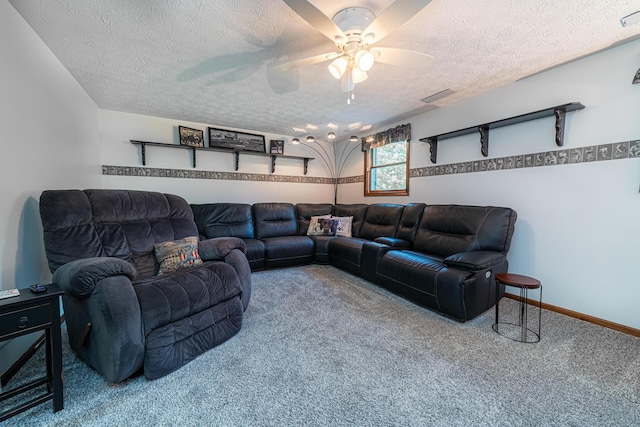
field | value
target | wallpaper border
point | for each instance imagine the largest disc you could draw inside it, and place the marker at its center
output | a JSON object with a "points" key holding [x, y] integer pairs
{"points": [[593, 153]]}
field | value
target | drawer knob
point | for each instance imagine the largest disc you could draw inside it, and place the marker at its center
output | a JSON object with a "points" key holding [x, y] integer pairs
{"points": [[23, 322]]}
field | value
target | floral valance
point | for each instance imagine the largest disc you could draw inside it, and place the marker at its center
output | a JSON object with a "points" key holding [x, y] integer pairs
{"points": [[398, 133]]}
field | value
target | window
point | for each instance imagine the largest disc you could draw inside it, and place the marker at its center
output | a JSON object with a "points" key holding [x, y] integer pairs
{"points": [[387, 170]]}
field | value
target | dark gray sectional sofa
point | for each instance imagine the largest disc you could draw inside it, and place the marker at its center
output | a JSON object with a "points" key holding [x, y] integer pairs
{"points": [[443, 257]]}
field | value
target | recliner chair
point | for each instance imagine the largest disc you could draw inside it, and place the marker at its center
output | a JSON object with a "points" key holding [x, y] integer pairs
{"points": [[121, 316]]}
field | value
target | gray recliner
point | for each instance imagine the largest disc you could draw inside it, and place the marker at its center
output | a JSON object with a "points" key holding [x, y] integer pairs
{"points": [[121, 315]]}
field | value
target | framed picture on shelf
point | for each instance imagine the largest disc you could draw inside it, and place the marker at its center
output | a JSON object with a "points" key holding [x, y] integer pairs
{"points": [[191, 137], [233, 140], [276, 146]]}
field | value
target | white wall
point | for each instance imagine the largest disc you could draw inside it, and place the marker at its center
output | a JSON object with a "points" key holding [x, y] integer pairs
{"points": [[118, 128], [49, 140], [577, 230]]}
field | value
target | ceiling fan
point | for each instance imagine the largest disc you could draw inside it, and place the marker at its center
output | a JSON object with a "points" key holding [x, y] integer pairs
{"points": [[355, 31]]}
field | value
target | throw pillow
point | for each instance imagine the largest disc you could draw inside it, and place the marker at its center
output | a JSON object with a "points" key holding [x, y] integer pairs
{"points": [[177, 254], [314, 225], [326, 227], [344, 225]]}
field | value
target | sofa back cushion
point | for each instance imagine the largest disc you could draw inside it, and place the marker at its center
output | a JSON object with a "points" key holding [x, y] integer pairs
{"points": [[357, 211], [224, 220], [448, 229], [304, 212], [115, 223], [274, 220], [381, 220], [409, 221]]}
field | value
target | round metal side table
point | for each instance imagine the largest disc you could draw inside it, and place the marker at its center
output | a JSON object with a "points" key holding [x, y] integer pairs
{"points": [[518, 329]]}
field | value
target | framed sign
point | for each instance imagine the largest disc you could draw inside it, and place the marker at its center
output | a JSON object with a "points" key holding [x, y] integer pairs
{"points": [[191, 137], [276, 146], [233, 140]]}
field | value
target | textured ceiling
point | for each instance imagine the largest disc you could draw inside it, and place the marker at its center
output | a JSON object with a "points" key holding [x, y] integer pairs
{"points": [[211, 61]]}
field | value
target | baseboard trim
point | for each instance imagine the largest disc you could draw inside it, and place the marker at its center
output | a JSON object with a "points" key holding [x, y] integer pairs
{"points": [[581, 316]]}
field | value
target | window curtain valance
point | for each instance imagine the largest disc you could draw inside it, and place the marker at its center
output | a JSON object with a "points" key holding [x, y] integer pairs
{"points": [[398, 133]]}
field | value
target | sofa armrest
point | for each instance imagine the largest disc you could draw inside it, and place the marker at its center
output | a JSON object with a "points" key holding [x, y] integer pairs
{"points": [[394, 243], [475, 260], [79, 277], [219, 247]]}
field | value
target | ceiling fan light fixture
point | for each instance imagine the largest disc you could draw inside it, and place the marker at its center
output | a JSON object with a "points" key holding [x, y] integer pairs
{"points": [[358, 75], [337, 67], [353, 138], [364, 60], [331, 135], [295, 141], [311, 139]]}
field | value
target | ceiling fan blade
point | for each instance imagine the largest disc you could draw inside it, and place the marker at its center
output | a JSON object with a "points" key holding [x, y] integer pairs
{"points": [[401, 57], [393, 17], [316, 18], [307, 61]]}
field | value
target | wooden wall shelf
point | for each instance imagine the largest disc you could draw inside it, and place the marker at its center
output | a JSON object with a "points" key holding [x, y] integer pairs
{"points": [[236, 154], [557, 111]]}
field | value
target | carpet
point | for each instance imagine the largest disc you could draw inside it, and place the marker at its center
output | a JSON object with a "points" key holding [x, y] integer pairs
{"points": [[322, 347]]}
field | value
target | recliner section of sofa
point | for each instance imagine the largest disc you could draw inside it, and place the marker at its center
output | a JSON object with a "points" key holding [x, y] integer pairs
{"points": [[276, 226], [379, 220], [456, 253]]}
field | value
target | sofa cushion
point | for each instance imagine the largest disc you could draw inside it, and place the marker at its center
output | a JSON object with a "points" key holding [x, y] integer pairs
{"points": [[224, 220], [174, 296], [449, 229], [409, 221], [346, 253], [285, 251], [274, 220], [426, 280], [177, 254], [357, 211], [117, 223], [304, 212], [381, 220]]}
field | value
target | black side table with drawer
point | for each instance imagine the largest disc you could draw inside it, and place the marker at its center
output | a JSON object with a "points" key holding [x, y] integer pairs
{"points": [[23, 315]]}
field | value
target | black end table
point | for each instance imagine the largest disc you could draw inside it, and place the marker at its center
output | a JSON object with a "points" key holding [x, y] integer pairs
{"points": [[25, 314]]}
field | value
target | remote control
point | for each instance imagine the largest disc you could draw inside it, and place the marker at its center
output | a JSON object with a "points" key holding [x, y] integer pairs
{"points": [[38, 288]]}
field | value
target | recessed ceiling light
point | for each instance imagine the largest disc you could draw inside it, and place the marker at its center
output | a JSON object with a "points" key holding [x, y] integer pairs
{"points": [[353, 138], [295, 141], [311, 139], [331, 135]]}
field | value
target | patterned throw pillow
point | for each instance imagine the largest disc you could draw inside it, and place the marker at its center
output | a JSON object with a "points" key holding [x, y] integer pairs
{"points": [[325, 227], [344, 225], [314, 225], [177, 254]]}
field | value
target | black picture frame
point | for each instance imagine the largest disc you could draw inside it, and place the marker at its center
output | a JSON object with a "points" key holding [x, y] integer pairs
{"points": [[234, 140], [191, 137], [276, 146]]}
